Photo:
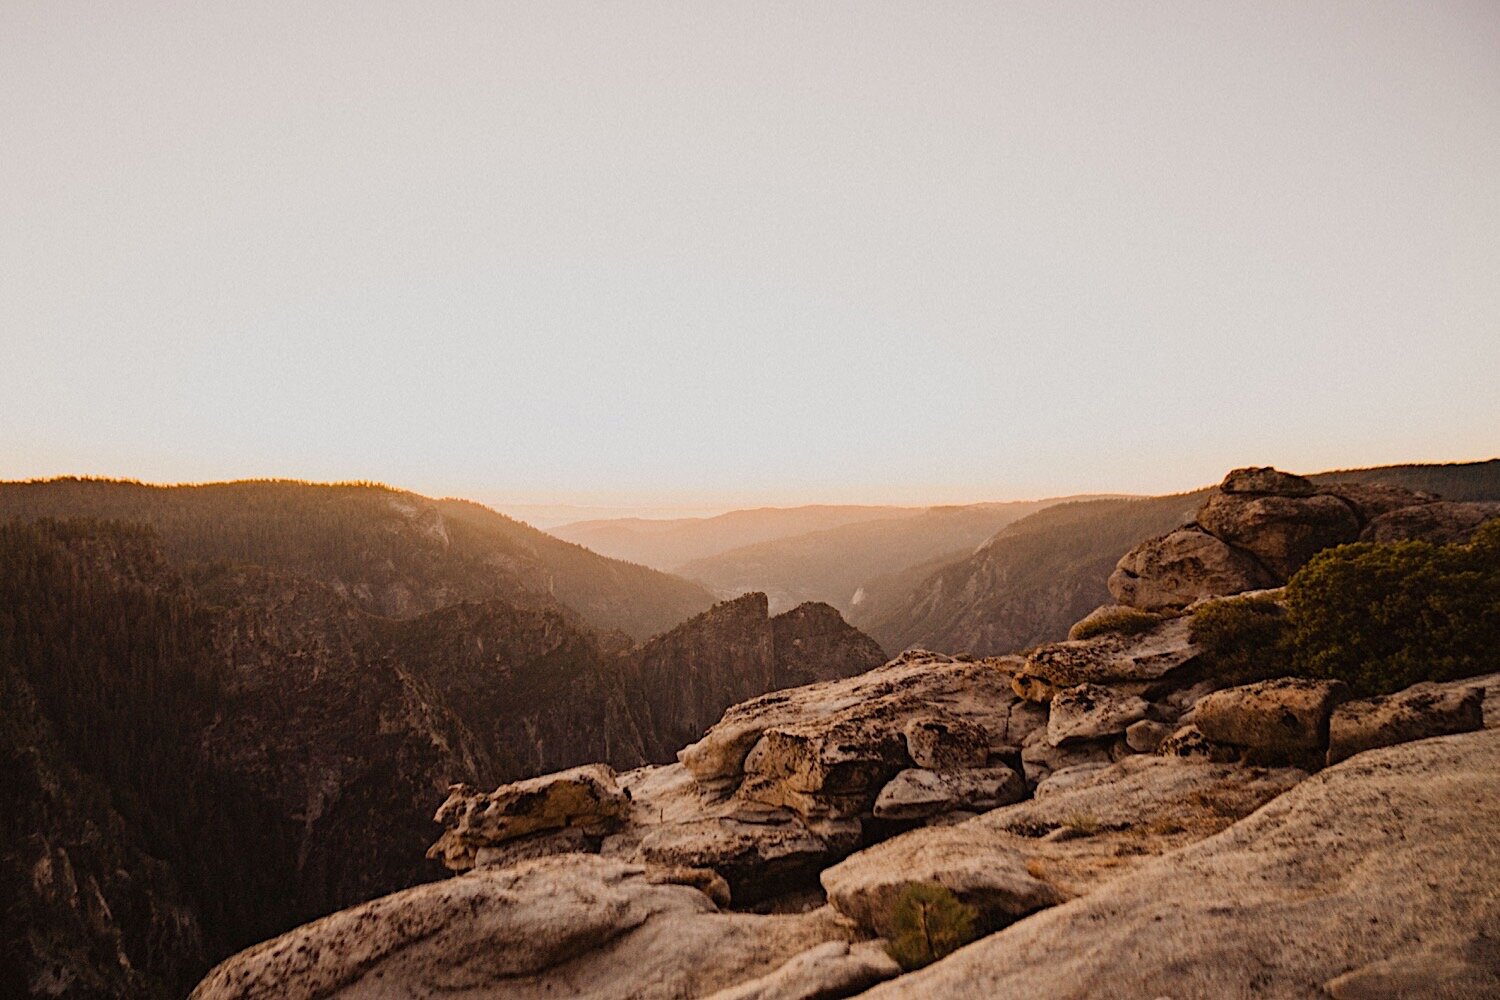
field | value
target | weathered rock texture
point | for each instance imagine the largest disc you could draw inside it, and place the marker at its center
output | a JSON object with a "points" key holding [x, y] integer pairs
{"points": [[782, 786], [1090, 712], [1021, 858], [1132, 662], [1417, 713], [1282, 718], [586, 799], [917, 793], [827, 785], [834, 969], [1364, 878], [1177, 568], [825, 752], [1280, 532], [573, 925]]}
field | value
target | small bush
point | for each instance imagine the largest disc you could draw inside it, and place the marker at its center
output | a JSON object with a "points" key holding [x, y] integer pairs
{"points": [[1122, 621], [1241, 638], [929, 922], [1381, 617]]}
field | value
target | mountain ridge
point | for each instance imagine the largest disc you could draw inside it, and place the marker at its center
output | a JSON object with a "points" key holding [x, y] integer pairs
{"points": [[392, 552], [665, 543], [833, 564]]}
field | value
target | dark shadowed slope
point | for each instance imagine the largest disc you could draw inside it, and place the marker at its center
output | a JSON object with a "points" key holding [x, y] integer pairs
{"points": [[390, 552], [680, 683], [668, 543], [1026, 585], [200, 756]]}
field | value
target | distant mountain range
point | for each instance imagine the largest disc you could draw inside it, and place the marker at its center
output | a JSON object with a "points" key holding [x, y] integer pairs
{"points": [[797, 554], [832, 565], [668, 543]]}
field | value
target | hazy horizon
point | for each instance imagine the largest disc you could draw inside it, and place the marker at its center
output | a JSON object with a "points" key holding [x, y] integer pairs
{"points": [[545, 514], [701, 258]]}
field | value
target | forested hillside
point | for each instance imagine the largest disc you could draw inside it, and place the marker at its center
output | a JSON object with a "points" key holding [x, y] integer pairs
{"points": [[390, 552]]}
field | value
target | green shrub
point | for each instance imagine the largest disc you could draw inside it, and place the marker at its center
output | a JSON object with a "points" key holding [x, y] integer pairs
{"points": [[1120, 621], [929, 922], [1381, 617], [1241, 638]]}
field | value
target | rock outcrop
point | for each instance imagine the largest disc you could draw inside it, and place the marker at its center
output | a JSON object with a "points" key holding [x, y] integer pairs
{"points": [[1280, 532], [1441, 523], [1417, 713], [585, 799], [1261, 525], [1133, 662], [826, 750], [1091, 712], [681, 682], [784, 785], [1177, 568], [834, 969], [1021, 858], [1283, 719], [866, 786], [1359, 882], [573, 925], [1069, 789], [917, 793]]}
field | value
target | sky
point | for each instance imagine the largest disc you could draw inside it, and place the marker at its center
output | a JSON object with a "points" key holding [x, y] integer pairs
{"points": [[694, 256]]}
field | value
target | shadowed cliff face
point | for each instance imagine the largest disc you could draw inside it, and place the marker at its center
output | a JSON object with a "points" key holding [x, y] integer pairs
{"points": [[1024, 586], [681, 682], [261, 751]]}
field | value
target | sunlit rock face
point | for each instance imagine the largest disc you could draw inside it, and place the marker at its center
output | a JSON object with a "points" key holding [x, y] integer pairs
{"points": [[573, 925], [1358, 882]]}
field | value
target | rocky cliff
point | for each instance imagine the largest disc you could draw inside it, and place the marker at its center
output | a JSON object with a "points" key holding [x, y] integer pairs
{"points": [[681, 682], [260, 750], [1118, 812]]}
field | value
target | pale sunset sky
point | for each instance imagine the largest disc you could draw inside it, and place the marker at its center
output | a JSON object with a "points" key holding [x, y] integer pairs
{"points": [[705, 255]]}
